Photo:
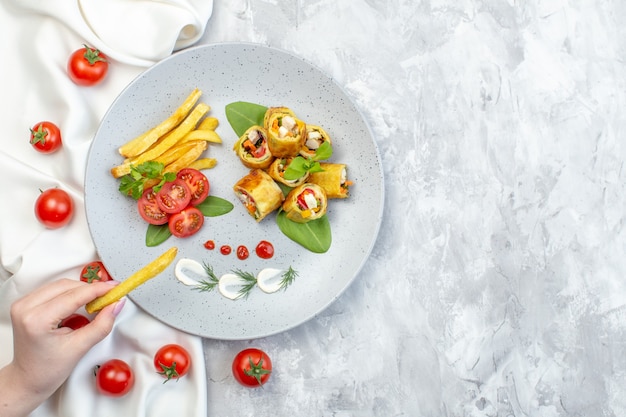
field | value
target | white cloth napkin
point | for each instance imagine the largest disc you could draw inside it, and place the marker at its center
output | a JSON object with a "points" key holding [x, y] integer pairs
{"points": [[39, 37]]}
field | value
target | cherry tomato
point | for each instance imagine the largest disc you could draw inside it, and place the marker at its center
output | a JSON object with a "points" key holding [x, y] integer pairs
{"points": [[264, 249], [74, 321], [114, 378], [186, 223], [149, 209], [173, 196], [172, 361], [197, 183], [252, 367], [242, 252], [87, 66], [45, 137], [54, 208], [94, 271]]}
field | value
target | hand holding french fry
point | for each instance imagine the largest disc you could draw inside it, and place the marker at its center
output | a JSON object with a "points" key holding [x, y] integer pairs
{"points": [[146, 273]]}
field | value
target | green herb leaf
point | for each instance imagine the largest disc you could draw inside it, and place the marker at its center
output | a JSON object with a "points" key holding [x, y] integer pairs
{"points": [[325, 151], [215, 206], [288, 277], [242, 115], [132, 184], [155, 235], [250, 283], [211, 282], [315, 235], [296, 169]]}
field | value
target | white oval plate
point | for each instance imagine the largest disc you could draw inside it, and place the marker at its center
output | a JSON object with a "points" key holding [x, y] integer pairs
{"points": [[227, 73]]}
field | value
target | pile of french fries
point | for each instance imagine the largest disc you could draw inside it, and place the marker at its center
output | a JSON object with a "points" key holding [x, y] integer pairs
{"points": [[177, 142]]}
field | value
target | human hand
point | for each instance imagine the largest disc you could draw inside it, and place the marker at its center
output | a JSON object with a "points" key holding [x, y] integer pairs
{"points": [[44, 354]]}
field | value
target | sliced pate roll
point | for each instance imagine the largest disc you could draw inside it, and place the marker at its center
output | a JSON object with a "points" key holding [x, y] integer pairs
{"points": [[286, 134], [306, 202], [315, 136], [252, 148], [259, 194], [333, 179], [277, 171]]}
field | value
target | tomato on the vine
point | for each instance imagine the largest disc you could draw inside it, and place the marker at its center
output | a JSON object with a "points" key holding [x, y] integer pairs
{"points": [[94, 271], [172, 361], [197, 182], [87, 66], [149, 209], [74, 321], [54, 208], [45, 137], [186, 222], [114, 378], [252, 367], [173, 196]]}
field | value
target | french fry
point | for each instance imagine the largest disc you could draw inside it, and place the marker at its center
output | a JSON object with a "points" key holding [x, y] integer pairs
{"points": [[142, 142], [170, 140], [200, 134], [186, 159], [146, 273], [209, 123], [203, 163]]}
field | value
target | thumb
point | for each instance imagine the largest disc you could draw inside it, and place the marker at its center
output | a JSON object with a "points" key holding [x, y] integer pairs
{"points": [[100, 327]]}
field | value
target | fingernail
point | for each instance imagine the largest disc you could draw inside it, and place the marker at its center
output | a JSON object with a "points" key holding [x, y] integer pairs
{"points": [[119, 306], [112, 282]]}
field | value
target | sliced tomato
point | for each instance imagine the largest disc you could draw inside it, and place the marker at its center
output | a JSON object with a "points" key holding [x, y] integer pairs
{"points": [[74, 321], [186, 222], [173, 196], [149, 209], [197, 182]]}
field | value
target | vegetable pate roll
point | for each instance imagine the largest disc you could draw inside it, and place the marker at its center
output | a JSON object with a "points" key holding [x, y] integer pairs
{"points": [[315, 136], [258, 192], [277, 171], [306, 202], [333, 179], [272, 110], [286, 134], [252, 148]]}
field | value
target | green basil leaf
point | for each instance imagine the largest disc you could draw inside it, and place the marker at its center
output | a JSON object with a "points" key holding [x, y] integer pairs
{"points": [[314, 235], [296, 169], [155, 235], [215, 206], [325, 151], [242, 115]]}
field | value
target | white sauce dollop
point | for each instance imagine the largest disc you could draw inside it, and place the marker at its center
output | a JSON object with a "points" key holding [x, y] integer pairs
{"points": [[230, 286], [269, 280], [189, 272]]}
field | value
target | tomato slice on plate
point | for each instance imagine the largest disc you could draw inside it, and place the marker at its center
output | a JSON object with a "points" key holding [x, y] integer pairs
{"points": [[173, 196], [186, 222], [197, 182], [149, 209]]}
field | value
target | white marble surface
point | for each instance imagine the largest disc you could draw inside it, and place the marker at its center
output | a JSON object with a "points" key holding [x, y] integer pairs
{"points": [[496, 287]]}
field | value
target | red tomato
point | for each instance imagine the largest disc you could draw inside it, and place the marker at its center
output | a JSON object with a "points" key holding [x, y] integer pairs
{"points": [[173, 196], [149, 209], [186, 222], [172, 361], [252, 367], [45, 137], [264, 249], [87, 66], [54, 208], [94, 271], [114, 378], [197, 183], [74, 321]]}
